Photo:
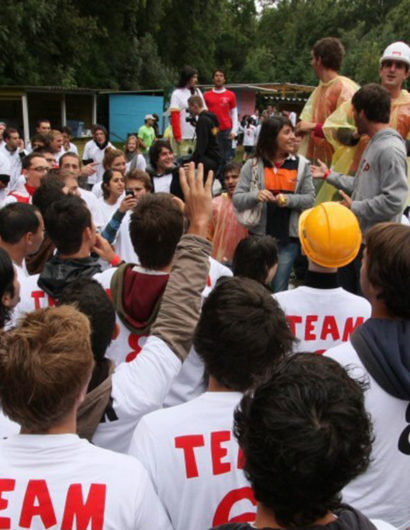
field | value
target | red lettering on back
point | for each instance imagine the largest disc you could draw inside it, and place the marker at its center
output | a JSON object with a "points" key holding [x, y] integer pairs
{"points": [[37, 503], [208, 281], [350, 327], [78, 514], [6, 484], [51, 302], [222, 513], [133, 341], [293, 320], [218, 452], [37, 295], [310, 328], [330, 328], [188, 443]]}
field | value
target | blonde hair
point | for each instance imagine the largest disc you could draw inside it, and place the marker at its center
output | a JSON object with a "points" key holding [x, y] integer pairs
{"points": [[110, 155], [44, 365]]}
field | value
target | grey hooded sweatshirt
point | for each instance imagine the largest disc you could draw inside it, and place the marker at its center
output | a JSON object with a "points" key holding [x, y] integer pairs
{"points": [[379, 189]]}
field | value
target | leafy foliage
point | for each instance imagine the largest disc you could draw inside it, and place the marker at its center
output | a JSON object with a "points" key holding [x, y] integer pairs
{"points": [[139, 44]]}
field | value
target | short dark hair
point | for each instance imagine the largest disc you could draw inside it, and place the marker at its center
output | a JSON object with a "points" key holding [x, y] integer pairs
{"points": [[185, 75], [388, 266], [254, 256], [98, 127], [156, 226], [17, 220], [233, 167], [42, 120], [331, 51], [141, 176], [89, 297], [43, 138], [43, 150], [65, 129], [6, 284], [221, 70], [49, 191], [267, 144], [155, 150], [241, 332], [375, 102], [65, 222], [8, 131], [27, 159], [305, 434], [71, 155]]}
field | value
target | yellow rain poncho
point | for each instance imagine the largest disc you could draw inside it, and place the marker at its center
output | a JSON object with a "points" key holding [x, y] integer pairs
{"points": [[323, 102], [346, 159]]}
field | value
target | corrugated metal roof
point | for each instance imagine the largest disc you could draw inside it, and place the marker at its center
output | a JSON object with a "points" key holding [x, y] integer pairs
{"points": [[284, 88], [55, 89]]}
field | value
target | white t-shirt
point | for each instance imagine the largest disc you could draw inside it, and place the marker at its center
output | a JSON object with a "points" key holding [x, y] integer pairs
{"points": [[22, 272], [126, 345], [179, 101], [94, 207], [163, 184], [3, 195], [18, 194], [97, 190], [195, 462], [140, 163], [322, 318], [249, 135], [91, 150], [138, 387], [382, 492], [61, 481], [72, 149], [5, 169], [31, 297], [122, 244], [14, 164], [108, 210], [7, 427]]}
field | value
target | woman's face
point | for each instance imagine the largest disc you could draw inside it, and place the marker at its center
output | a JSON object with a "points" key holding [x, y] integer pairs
{"points": [[99, 136], [132, 145], [118, 164], [286, 139], [116, 185], [192, 81]]}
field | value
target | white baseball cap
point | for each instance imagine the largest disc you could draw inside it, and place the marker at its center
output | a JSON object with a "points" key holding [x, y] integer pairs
{"points": [[149, 117], [398, 51]]}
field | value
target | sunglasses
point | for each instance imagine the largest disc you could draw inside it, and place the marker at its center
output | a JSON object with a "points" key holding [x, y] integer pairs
{"points": [[398, 64]]}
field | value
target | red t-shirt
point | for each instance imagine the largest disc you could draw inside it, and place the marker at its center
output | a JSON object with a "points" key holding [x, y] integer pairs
{"points": [[220, 103]]}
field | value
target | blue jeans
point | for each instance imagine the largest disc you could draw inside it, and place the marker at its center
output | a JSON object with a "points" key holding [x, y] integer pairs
{"points": [[287, 256]]}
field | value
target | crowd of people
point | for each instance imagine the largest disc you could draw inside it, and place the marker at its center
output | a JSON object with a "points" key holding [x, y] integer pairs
{"points": [[156, 371]]}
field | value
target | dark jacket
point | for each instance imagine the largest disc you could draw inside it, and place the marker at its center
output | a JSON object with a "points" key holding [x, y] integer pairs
{"points": [[58, 273], [383, 346], [347, 519], [207, 147]]}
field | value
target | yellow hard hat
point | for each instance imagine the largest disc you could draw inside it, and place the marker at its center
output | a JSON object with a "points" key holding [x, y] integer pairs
{"points": [[330, 234]]}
